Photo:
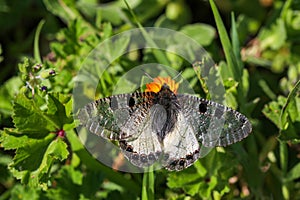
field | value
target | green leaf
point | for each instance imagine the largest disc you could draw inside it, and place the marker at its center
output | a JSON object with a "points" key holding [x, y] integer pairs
{"points": [[274, 37], [68, 172], [273, 109], [36, 121], [5, 177], [103, 13], [95, 177], [207, 33], [34, 116], [231, 91], [29, 118], [24, 192], [58, 149], [24, 159], [291, 133], [68, 189], [56, 109], [67, 12], [8, 90], [68, 182], [283, 153], [188, 180], [202, 178], [294, 173], [11, 139], [33, 169], [205, 189]]}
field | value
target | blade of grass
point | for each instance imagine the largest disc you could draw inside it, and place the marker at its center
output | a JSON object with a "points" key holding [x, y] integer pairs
{"points": [[294, 173], [243, 83], [283, 164], [159, 55], [144, 187], [36, 48], [285, 8], [229, 54], [283, 157], [148, 185], [236, 44], [151, 183], [265, 87]]}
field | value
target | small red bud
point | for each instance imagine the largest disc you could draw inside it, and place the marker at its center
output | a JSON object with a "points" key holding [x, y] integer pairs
{"points": [[61, 133]]}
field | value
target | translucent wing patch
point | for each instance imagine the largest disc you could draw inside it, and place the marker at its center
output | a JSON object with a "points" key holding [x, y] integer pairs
{"points": [[213, 123]]}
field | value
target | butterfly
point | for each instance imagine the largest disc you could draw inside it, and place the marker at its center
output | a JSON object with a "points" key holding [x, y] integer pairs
{"points": [[161, 126]]}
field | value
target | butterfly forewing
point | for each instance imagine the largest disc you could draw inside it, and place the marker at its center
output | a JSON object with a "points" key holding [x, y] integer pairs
{"points": [[214, 124], [99, 118], [107, 117]]}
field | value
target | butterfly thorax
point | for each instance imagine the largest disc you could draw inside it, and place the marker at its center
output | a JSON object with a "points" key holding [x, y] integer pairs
{"points": [[169, 102]]}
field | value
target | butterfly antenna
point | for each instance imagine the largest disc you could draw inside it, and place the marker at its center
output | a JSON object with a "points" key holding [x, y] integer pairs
{"points": [[148, 75], [175, 77]]}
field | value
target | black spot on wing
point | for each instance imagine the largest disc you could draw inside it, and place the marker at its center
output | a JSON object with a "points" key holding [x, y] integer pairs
{"points": [[203, 107], [214, 124], [131, 102]]}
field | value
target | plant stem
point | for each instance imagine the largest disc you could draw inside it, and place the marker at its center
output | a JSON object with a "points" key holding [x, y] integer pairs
{"points": [[148, 185]]}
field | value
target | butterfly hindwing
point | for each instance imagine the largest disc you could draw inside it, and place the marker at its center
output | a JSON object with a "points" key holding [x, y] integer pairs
{"points": [[214, 124], [146, 149], [180, 145]]}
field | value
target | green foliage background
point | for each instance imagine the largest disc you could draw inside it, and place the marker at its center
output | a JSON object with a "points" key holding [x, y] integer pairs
{"points": [[255, 43]]}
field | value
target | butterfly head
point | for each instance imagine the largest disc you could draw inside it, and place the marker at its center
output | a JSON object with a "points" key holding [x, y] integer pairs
{"points": [[160, 83]]}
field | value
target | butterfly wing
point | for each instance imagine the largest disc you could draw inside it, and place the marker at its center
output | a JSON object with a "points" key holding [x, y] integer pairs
{"points": [[213, 123], [132, 119], [107, 117]]}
